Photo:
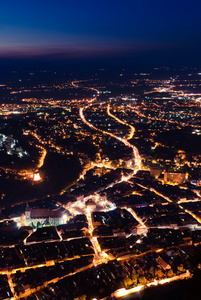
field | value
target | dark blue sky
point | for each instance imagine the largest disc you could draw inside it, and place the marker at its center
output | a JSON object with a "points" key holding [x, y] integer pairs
{"points": [[144, 30]]}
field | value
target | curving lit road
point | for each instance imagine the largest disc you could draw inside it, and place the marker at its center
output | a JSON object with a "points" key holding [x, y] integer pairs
{"points": [[132, 129], [123, 292], [137, 158]]}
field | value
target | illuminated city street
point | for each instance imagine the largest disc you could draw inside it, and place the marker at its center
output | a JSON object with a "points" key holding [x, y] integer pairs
{"points": [[127, 203]]}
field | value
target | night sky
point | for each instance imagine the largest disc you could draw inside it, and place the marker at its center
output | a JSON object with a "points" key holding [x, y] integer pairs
{"points": [[152, 31]]}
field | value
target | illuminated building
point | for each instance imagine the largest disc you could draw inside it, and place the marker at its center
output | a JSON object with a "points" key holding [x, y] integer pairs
{"points": [[43, 216], [155, 171], [175, 177]]}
